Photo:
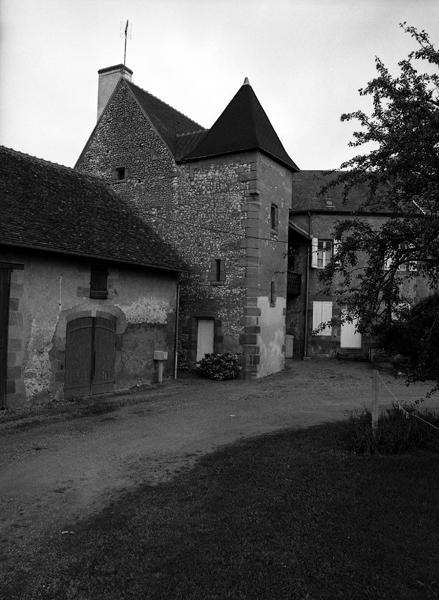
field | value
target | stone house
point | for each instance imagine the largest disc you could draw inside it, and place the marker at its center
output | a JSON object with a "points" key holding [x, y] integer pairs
{"points": [[88, 292], [312, 221], [236, 207], [221, 197]]}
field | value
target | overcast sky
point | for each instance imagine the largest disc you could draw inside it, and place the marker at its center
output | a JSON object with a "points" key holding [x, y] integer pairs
{"points": [[306, 60]]}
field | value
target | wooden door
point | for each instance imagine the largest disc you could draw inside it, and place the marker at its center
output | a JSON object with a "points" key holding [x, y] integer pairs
{"points": [[205, 338], [90, 353], [79, 349], [5, 284], [103, 356]]}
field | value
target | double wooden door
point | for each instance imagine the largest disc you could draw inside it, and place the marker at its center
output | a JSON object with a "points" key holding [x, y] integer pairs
{"points": [[90, 354], [5, 284]]}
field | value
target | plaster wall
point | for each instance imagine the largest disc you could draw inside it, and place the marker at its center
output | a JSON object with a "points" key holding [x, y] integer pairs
{"points": [[50, 291]]}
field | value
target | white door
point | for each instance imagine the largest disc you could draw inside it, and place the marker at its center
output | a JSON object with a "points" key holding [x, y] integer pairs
{"points": [[349, 338], [205, 337]]}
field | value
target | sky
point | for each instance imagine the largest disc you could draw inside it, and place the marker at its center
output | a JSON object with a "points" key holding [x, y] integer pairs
{"points": [[305, 59]]}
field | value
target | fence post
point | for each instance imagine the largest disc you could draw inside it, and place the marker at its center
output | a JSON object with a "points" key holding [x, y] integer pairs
{"points": [[374, 409]]}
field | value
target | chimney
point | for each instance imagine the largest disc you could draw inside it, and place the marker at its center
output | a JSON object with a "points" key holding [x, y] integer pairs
{"points": [[108, 79]]}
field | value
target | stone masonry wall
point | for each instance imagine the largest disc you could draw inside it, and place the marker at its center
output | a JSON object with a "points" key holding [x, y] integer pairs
{"points": [[266, 264], [197, 207]]}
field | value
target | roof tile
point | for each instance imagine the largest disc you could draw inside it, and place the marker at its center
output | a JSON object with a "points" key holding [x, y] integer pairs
{"points": [[51, 207]]}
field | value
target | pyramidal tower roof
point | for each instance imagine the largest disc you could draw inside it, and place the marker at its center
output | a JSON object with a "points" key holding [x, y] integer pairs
{"points": [[242, 126]]}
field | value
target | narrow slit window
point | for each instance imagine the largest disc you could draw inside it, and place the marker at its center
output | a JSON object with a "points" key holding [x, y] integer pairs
{"points": [[120, 173], [272, 294], [217, 271], [274, 217], [99, 282]]}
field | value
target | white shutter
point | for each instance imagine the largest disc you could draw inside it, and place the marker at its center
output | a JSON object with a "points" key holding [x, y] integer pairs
{"points": [[321, 313], [336, 246], [314, 252], [326, 316]]}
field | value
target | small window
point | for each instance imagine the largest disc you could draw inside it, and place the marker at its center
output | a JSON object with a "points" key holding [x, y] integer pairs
{"points": [[217, 271], [274, 217], [321, 253], [98, 282], [119, 173], [272, 294]]}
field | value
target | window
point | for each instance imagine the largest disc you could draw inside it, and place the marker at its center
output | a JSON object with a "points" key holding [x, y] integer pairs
{"points": [[321, 313], [274, 217], [272, 294], [217, 271], [410, 265], [98, 282], [119, 173], [321, 253]]}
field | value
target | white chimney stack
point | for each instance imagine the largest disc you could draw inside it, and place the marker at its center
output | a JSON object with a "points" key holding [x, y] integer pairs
{"points": [[108, 79]]}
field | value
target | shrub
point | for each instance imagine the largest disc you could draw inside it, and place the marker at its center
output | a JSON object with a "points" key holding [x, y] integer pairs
{"points": [[396, 432], [219, 366]]}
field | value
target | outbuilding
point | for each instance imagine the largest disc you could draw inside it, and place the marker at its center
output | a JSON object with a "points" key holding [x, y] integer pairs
{"points": [[88, 291]]}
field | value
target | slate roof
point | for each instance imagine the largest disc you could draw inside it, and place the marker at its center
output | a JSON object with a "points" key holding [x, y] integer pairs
{"points": [[306, 188], [54, 208], [168, 121], [186, 142], [242, 126]]}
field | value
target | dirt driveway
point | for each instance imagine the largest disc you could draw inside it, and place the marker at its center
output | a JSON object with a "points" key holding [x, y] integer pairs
{"points": [[55, 473]]}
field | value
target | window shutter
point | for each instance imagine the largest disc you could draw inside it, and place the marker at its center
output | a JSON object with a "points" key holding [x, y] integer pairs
{"points": [[98, 282], [336, 246], [314, 252], [326, 316], [321, 313]]}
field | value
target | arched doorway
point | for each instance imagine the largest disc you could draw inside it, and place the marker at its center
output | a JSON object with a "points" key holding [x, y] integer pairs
{"points": [[90, 354]]}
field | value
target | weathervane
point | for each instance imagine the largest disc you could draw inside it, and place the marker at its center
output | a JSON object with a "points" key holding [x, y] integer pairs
{"points": [[126, 33]]}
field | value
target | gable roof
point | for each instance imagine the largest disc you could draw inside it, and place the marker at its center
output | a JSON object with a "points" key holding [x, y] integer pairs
{"points": [[50, 207], [168, 121], [242, 126]]}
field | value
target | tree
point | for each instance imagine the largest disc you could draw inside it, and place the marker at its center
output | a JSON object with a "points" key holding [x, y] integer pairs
{"points": [[401, 173]]}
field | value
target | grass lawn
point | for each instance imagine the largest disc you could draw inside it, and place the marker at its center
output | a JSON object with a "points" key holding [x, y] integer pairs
{"points": [[289, 516]]}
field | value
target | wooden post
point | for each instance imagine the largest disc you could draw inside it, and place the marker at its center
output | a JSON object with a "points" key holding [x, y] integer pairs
{"points": [[374, 408]]}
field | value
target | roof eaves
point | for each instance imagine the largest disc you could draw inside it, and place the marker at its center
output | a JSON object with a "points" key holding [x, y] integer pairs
{"points": [[94, 256], [293, 167]]}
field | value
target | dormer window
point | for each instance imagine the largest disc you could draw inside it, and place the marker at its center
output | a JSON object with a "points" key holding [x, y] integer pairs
{"points": [[119, 173], [98, 282]]}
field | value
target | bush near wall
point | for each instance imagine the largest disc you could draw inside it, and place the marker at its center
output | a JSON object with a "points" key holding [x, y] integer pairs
{"points": [[219, 366]]}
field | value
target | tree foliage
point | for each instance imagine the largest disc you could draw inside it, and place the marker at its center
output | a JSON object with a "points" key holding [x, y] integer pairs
{"points": [[400, 168]]}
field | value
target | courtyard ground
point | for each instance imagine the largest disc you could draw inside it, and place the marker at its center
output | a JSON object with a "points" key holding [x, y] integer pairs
{"points": [[54, 474]]}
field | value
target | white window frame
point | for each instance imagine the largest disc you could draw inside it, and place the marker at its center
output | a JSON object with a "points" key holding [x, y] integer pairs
{"points": [[322, 251]]}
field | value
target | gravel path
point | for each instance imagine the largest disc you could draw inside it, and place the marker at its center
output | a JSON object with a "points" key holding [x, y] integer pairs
{"points": [[55, 473]]}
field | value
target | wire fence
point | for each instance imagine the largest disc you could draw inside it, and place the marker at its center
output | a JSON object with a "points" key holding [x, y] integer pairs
{"points": [[396, 402]]}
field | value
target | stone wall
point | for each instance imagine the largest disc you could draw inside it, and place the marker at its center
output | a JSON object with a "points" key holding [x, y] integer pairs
{"points": [[209, 210], [50, 291]]}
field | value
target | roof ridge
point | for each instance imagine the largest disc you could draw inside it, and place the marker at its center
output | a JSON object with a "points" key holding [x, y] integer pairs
{"points": [[162, 101], [191, 132], [59, 166]]}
